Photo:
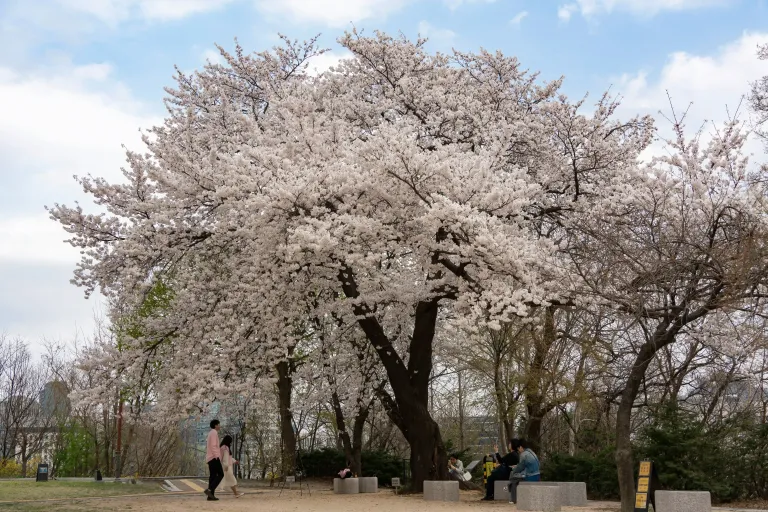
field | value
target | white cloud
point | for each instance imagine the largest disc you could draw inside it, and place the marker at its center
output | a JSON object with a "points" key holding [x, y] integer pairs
{"points": [[54, 126], [645, 8], [34, 239], [435, 34], [715, 84], [28, 25], [518, 19], [335, 13], [455, 4], [69, 120], [115, 11], [320, 63], [213, 55], [42, 304], [564, 12], [64, 123]]}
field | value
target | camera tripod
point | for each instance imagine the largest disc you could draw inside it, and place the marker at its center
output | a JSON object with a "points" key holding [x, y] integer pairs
{"points": [[298, 469]]}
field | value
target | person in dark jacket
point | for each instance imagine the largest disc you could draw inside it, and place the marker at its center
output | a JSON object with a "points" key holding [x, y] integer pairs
{"points": [[503, 468]]}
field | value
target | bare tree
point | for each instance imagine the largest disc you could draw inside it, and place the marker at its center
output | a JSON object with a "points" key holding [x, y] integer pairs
{"points": [[24, 422], [676, 256]]}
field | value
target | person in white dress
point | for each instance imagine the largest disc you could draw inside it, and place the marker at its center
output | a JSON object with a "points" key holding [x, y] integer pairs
{"points": [[228, 462]]}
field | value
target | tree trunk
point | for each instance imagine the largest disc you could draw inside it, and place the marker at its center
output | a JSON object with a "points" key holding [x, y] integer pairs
{"points": [[343, 437], [287, 434], [502, 409], [534, 396], [409, 409], [533, 430], [624, 462], [357, 438], [24, 457], [461, 414], [353, 448]]}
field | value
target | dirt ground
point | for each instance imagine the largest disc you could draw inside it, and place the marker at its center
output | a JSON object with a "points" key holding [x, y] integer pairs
{"points": [[258, 499], [289, 501], [326, 501]]}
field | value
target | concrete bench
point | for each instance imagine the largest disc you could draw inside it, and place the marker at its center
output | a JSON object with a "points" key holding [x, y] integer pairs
{"points": [[442, 490], [683, 501], [369, 484], [572, 494], [541, 498], [346, 486]]}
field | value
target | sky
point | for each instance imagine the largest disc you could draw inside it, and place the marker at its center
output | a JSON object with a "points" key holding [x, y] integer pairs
{"points": [[80, 78]]}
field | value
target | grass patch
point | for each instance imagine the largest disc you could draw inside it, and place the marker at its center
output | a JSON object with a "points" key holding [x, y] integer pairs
{"points": [[24, 490]]}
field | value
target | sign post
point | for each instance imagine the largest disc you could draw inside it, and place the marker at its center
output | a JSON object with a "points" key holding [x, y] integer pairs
{"points": [[42, 473], [395, 483], [647, 482], [290, 480]]}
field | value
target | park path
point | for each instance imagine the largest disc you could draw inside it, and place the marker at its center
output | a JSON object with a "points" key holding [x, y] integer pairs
{"points": [[294, 501], [320, 500]]}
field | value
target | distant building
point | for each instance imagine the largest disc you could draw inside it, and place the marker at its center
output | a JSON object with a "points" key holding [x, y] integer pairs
{"points": [[54, 399], [480, 432], [194, 431]]}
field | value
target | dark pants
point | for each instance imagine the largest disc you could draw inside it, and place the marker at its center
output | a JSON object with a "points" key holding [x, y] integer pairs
{"points": [[217, 474], [500, 473]]}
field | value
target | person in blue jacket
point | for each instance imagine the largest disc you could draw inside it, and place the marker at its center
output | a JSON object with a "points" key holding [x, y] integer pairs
{"points": [[527, 470]]}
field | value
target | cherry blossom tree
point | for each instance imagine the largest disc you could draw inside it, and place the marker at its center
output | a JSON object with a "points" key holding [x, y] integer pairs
{"points": [[687, 242], [406, 188], [759, 96]]}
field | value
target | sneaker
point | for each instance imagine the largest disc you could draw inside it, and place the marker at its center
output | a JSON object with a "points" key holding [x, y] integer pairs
{"points": [[208, 493], [213, 498]]}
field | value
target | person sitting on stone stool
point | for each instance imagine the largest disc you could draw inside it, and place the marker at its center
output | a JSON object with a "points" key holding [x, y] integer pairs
{"points": [[456, 468], [345, 473], [527, 470], [503, 469]]}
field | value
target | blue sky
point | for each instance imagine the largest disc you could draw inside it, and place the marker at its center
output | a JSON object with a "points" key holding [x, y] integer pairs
{"points": [[78, 78]]}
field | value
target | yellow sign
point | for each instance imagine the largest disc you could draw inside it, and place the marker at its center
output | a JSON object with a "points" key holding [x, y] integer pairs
{"points": [[645, 468], [641, 500], [642, 484]]}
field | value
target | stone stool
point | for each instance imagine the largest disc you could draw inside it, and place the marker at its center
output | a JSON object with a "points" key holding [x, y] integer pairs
{"points": [[500, 490], [683, 501], [441, 490], [541, 498], [369, 484], [572, 494], [346, 485]]}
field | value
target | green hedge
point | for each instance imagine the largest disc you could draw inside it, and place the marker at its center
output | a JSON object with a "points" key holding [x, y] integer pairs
{"points": [[598, 471], [326, 463], [729, 459]]}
